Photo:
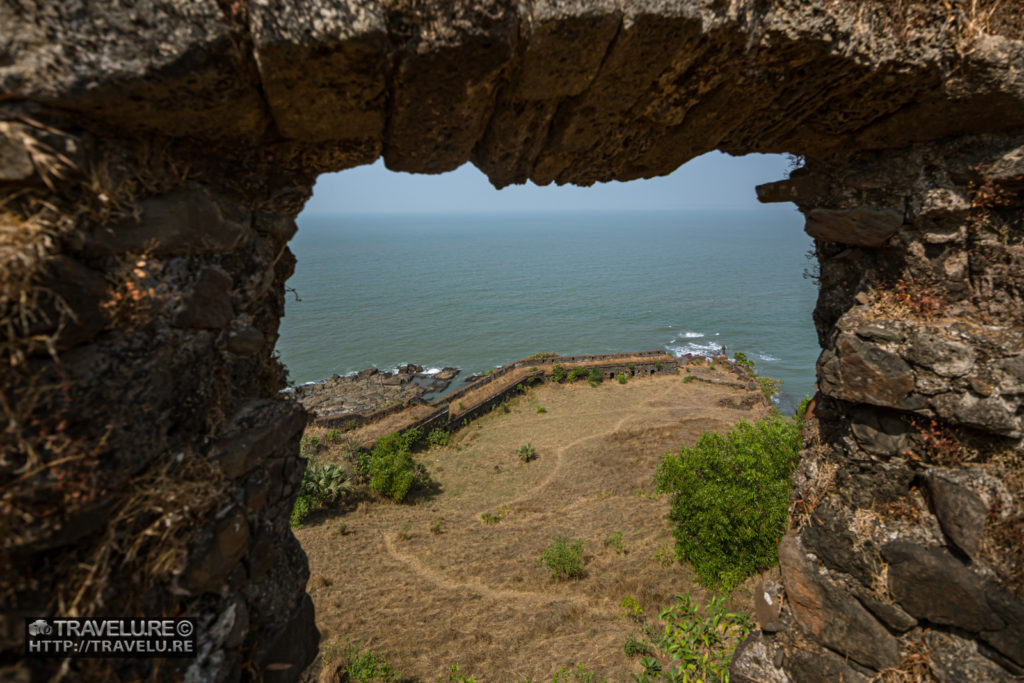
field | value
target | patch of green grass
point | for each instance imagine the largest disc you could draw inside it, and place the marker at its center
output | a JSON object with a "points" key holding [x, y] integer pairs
{"points": [[687, 379], [333, 436], [630, 609], [526, 452], [664, 556], [490, 517], [622, 377], [435, 527], [614, 540], [533, 369], [454, 676], [730, 495], [541, 409], [594, 378], [563, 559], [578, 675]]}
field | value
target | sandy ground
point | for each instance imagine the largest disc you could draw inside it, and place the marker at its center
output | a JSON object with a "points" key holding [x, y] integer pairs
{"points": [[475, 594]]}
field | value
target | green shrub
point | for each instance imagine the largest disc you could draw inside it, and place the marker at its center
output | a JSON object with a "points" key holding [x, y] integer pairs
{"points": [[323, 484], [439, 436], [490, 517], [594, 378], [576, 373], [622, 377], [730, 494], [687, 379], [390, 468], [630, 608], [361, 666], [800, 416], [563, 560], [533, 369], [435, 527], [657, 365], [526, 452], [699, 645], [664, 556], [455, 677], [310, 445], [558, 372], [614, 540], [541, 409], [578, 675], [634, 647]]}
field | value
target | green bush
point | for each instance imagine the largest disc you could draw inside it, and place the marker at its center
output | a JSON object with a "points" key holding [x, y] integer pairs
{"points": [[490, 517], [576, 373], [361, 666], [323, 484], [622, 377], [526, 452], [541, 409], [687, 379], [563, 560], [700, 645], [333, 436], [630, 608], [454, 676], [634, 647], [439, 437], [390, 468], [558, 372], [614, 540], [309, 446], [730, 494], [594, 377]]}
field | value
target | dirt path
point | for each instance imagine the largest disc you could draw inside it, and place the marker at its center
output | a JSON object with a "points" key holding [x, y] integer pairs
{"points": [[475, 594]]}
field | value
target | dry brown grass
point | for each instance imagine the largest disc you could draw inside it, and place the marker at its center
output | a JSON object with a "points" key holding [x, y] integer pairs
{"points": [[475, 593], [913, 669]]}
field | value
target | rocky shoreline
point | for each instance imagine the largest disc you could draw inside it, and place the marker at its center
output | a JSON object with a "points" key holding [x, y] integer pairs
{"points": [[371, 390]]}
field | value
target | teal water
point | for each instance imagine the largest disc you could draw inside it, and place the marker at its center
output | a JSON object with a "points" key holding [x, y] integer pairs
{"points": [[478, 291]]}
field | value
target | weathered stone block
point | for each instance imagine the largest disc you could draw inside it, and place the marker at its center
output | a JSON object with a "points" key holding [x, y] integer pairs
{"points": [[208, 303], [179, 222], [960, 511], [867, 373], [323, 67], [862, 227], [833, 617], [943, 356], [932, 584], [214, 559], [260, 430]]}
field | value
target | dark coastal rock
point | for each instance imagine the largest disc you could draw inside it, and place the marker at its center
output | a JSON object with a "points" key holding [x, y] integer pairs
{"points": [[954, 659], [830, 539], [867, 373], [945, 357], [447, 374], [208, 304]]}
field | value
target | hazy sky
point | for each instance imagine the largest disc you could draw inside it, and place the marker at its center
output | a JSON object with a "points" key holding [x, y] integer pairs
{"points": [[712, 181]]}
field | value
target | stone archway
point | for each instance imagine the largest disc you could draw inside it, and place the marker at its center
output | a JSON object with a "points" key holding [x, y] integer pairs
{"points": [[153, 159]]}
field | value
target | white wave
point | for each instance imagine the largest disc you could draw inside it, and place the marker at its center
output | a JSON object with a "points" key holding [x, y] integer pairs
{"points": [[431, 371], [707, 349], [691, 335], [768, 357]]}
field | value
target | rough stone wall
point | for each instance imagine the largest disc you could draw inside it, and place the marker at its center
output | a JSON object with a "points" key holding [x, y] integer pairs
{"points": [[153, 157], [906, 549]]}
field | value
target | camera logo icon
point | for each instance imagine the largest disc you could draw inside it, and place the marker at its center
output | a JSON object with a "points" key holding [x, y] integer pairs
{"points": [[39, 627]]}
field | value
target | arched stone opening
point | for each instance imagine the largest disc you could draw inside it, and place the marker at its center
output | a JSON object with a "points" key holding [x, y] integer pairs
{"points": [[153, 161]]}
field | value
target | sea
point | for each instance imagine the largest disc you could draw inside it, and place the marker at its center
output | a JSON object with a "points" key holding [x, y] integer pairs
{"points": [[476, 291]]}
